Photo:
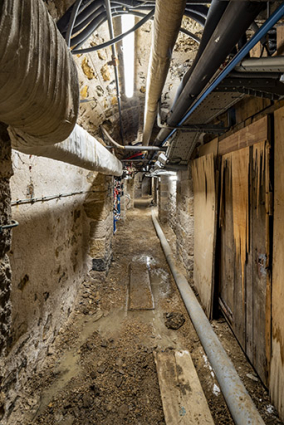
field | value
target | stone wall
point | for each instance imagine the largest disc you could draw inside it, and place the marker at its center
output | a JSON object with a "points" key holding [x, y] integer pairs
{"points": [[167, 200], [138, 185], [98, 207], [185, 221], [5, 240], [56, 243], [130, 193]]}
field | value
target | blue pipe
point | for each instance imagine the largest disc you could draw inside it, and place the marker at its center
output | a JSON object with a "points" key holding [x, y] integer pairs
{"points": [[272, 20]]}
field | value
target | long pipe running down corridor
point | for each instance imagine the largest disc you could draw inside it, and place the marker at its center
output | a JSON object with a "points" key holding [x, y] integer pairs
{"points": [[237, 398]]}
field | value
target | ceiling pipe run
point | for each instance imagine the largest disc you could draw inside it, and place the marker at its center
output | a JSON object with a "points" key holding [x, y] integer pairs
{"points": [[80, 149], [130, 147], [235, 20], [39, 88], [167, 22], [239, 402]]}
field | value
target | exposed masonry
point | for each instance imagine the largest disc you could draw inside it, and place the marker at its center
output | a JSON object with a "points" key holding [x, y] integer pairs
{"points": [[185, 221], [98, 208], [5, 238]]}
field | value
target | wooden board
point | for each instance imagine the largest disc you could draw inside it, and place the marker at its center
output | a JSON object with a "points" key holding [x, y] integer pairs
{"points": [[140, 293], [211, 147], [277, 359], [244, 288], [203, 174], [184, 402], [247, 136]]}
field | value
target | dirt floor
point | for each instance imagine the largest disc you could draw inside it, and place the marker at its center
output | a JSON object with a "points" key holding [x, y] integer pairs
{"points": [[101, 369]]}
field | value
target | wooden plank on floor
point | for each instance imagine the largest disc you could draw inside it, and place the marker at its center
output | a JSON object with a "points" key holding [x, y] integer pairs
{"points": [[277, 360], [140, 292], [203, 173], [184, 402]]}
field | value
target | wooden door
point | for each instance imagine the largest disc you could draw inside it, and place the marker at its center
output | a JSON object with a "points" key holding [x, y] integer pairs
{"points": [[244, 278]]}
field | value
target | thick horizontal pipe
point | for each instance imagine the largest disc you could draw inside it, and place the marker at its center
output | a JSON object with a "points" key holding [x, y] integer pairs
{"points": [[278, 14], [225, 36], [130, 147], [237, 398], [80, 149], [266, 64]]}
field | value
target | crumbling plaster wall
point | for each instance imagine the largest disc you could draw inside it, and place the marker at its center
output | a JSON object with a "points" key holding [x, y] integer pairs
{"points": [[54, 246]]}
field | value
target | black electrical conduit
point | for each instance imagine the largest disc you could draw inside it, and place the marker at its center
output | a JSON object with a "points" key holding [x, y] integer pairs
{"points": [[82, 21], [99, 19], [114, 40], [237, 398], [224, 38], [121, 36], [87, 8]]}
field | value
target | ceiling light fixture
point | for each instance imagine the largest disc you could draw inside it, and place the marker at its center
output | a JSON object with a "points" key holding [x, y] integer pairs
{"points": [[127, 22]]}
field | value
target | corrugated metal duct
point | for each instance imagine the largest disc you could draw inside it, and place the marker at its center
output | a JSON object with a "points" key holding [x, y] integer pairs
{"points": [[39, 90], [167, 22]]}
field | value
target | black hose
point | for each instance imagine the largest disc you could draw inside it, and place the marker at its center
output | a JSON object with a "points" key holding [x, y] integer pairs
{"points": [[116, 39], [72, 21], [89, 19]]}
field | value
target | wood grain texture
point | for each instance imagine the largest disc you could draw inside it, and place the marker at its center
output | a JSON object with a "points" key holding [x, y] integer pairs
{"points": [[184, 402], [245, 285], [277, 359], [203, 173], [247, 136], [211, 147]]}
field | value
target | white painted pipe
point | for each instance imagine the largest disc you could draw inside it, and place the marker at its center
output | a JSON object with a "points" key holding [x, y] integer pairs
{"points": [[266, 64], [240, 404], [167, 22], [80, 149]]}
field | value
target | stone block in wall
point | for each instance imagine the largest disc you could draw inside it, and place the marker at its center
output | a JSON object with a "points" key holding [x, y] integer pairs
{"points": [[96, 210], [97, 248]]}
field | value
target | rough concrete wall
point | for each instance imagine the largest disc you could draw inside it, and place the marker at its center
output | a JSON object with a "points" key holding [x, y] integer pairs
{"points": [[5, 242], [185, 221], [50, 255]]}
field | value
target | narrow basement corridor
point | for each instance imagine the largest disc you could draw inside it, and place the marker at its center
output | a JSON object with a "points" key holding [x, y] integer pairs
{"points": [[141, 212], [101, 369]]}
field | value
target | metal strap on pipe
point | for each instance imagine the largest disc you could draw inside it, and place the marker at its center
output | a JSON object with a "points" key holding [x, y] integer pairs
{"points": [[237, 398], [130, 147]]}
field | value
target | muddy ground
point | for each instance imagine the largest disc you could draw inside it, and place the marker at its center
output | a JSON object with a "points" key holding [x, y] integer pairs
{"points": [[101, 369]]}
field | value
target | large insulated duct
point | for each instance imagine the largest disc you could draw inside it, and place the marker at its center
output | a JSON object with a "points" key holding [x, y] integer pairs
{"points": [[80, 149], [39, 90], [236, 19], [167, 21]]}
